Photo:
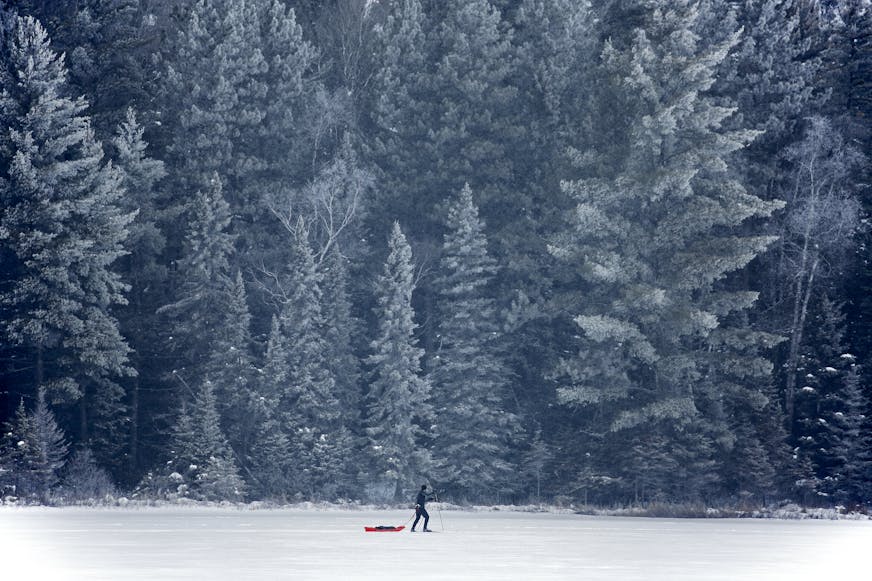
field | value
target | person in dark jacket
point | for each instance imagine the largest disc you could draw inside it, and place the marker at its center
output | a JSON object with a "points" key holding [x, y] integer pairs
{"points": [[420, 508]]}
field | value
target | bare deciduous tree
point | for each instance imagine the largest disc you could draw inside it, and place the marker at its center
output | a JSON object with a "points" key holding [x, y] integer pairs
{"points": [[327, 206], [822, 217], [347, 30]]}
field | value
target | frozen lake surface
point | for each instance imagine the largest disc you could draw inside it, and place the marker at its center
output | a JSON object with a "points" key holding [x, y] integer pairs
{"points": [[240, 544]]}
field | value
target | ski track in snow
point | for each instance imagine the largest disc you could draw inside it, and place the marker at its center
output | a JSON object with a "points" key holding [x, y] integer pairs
{"points": [[169, 543]]}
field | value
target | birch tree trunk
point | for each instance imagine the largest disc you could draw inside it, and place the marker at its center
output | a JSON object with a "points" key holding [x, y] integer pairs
{"points": [[800, 313]]}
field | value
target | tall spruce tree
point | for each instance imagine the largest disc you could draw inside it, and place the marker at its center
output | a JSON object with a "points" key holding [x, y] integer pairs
{"points": [[446, 115], [198, 315], [202, 466], [61, 229], [45, 450], [342, 331], [143, 270], [308, 407], [654, 231], [475, 430], [231, 369], [269, 458], [218, 477], [829, 408], [398, 409]]}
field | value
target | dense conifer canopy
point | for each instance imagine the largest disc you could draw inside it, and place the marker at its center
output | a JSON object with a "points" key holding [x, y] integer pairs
{"points": [[626, 253]]}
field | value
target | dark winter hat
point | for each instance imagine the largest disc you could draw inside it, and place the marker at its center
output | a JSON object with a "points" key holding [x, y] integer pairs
{"points": [[423, 487]]}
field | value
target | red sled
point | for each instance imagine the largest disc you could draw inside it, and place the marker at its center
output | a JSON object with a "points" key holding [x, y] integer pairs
{"points": [[384, 529]]}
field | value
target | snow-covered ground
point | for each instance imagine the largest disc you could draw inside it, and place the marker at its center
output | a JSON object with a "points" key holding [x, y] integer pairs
{"points": [[236, 544]]}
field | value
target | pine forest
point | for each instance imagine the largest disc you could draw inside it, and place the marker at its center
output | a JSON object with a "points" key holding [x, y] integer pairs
{"points": [[578, 252]]}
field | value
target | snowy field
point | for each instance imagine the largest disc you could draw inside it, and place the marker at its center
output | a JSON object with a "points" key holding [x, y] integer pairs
{"points": [[238, 544]]}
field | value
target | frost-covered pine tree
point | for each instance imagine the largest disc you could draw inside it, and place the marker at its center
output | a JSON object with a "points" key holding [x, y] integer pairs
{"points": [[210, 319], [218, 477], [45, 450], [830, 407], [202, 465], [270, 456], [654, 233], [771, 76], [475, 125], [107, 50], [61, 229], [204, 84], [400, 112], [342, 329], [35, 450], [236, 91], [854, 438], [140, 177], [231, 369], [553, 42], [308, 408], [446, 103], [397, 398], [474, 429], [198, 314]]}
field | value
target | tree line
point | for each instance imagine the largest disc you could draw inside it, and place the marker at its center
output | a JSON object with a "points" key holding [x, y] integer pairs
{"points": [[604, 251]]}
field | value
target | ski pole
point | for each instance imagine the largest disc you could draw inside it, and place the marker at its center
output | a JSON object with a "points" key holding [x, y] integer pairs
{"points": [[439, 510]]}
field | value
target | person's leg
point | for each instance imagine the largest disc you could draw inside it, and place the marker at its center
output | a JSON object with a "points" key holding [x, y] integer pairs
{"points": [[417, 518], [426, 518]]}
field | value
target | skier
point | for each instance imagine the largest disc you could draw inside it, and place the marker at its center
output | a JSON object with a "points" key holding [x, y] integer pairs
{"points": [[420, 510]]}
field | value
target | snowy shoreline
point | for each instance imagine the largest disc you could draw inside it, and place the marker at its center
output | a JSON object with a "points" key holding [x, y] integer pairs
{"points": [[660, 511]]}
